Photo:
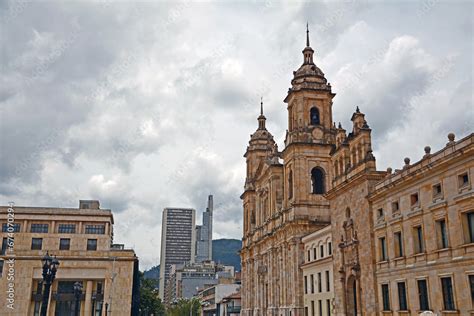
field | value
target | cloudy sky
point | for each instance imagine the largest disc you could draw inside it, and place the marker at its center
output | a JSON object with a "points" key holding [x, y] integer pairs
{"points": [[145, 105]]}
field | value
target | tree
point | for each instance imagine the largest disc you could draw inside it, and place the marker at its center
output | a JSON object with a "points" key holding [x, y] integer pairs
{"points": [[150, 303], [183, 307]]}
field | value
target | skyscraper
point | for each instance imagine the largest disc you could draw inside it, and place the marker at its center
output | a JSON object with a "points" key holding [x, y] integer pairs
{"points": [[178, 239], [204, 233]]}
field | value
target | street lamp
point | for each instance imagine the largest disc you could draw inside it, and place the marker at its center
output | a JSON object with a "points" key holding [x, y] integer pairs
{"points": [[77, 296], [50, 266]]}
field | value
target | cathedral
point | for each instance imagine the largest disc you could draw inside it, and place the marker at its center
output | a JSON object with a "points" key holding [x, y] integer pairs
{"points": [[326, 176]]}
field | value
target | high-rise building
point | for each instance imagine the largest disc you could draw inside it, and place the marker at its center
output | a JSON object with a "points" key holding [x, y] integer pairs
{"points": [[204, 234], [82, 240], [178, 239]]}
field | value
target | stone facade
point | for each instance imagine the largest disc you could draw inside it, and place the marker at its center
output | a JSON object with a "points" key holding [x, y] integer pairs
{"points": [[325, 176], [318, 273], [109, 274]]}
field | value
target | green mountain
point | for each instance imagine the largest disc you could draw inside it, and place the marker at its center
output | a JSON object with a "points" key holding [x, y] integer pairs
{"points": [[224, 251]]}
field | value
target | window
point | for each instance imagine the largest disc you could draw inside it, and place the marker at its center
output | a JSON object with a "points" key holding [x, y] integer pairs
{"points": [[442, 234], [10, 228], [321, 251], [402, 296], [383, 249], [91, 244], [423, 295], [306, 311], [328, 307], [39, 228], [380, 213], [395, 207], [64, 243], [4, 245], [312, 283], [305, 284], [312, 308], [463, 180], [437, 190], [320, 283], [414, 199], [418, 239], [67, 228], [95, 229], [398, 244], [317, 179], [1, 268], [36, 243], [314, 254], [320, 307], [329, 248], [290, 185], [469, 227], [448, 295], [385, 297], [471, 284], [309, 255], [314, 114], [328, 282]]}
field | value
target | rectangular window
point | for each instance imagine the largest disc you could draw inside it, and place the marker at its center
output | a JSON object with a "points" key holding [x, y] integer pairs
{"points": [[4, 245], [414, 199], [95, 229], [385, 297], [329, 248], [398, 244], [315, 254], [91, 244], [67, 228], [321, 251], [383, 249], [39, 228], [312, 308], [309, 255], [328, 282], [311, 278], [320, 285], [418, 239], [402, 296], [320, 307], [463, 180], [64, 243], [305, 284], [442, 234], [1, 268], [448, 295], [306, 311], [469, 227], [328, 307], [36, 243], [471, 285], [423, 295], [12, 228], [395, 207], [380, 213], [437, 190]]}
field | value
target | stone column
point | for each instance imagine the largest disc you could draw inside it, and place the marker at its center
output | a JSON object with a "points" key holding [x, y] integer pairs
{"points": [[88, 301]]}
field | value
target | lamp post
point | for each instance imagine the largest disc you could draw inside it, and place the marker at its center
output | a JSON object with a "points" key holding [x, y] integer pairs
{"points": [[77, 296], [50, 266]]}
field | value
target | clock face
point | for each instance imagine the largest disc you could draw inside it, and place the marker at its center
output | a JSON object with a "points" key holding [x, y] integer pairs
{"points": [[317, 133]]}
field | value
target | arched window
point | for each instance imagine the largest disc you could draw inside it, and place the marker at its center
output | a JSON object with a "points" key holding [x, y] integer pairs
{"points": [[290, 185], [317, 179], [314, 115]]}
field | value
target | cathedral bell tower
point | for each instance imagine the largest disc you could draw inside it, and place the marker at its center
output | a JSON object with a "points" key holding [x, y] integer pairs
{"points": [[309, 139]]}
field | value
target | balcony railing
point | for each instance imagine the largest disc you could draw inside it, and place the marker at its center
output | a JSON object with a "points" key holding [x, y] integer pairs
{"points": [[97, 296], [66, 297], [36, 296], [233, 310]]}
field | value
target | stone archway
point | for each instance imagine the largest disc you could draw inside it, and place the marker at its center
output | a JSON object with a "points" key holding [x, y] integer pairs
{"points": [[351, 290]]}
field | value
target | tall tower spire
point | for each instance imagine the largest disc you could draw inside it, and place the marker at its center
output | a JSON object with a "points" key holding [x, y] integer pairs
{"points": [[261, 118], [307, 34]]}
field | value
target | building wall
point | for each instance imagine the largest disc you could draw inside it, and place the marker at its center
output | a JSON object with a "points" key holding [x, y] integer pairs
{"points": [[318, 273], [113, 269]]}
